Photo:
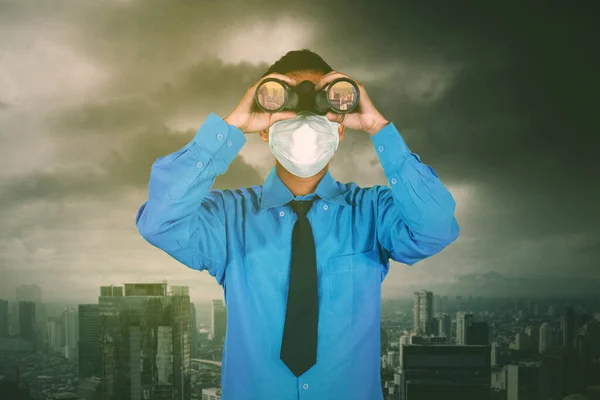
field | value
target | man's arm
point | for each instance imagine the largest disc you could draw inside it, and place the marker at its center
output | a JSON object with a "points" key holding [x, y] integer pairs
{"points": [[182, 216], [415, 218]]}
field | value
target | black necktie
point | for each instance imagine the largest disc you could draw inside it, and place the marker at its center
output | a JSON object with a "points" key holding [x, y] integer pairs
{"points": [[299, 343]]}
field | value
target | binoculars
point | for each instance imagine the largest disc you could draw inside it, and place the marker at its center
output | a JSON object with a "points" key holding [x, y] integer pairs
{"points": [[340, 96]]}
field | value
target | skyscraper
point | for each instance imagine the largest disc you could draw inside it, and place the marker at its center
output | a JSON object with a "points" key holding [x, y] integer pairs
{"points": [[218, 319], [545, 341], [54, 333], [71, 330], [33, 293], [193, 331], [145, 342], [463, 323], [88, 349], [423, 312], [478, 334], [523, 381], [567, 324], [27, 320], [404, 340], [445, 326], [4, 331], [533, 333]]}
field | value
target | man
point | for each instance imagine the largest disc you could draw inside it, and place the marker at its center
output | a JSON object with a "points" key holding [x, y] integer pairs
{"points": [[301, 258]]}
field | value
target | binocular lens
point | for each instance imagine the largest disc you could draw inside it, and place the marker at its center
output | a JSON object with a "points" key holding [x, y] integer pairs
{"points": [[271, 95], [343, 95]]}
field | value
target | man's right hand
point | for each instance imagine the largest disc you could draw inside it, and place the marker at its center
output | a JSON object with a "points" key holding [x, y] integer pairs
{"points": [[247, 120]]}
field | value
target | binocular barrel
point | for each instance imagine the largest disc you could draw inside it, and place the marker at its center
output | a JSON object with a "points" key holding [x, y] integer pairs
{"points": [[340, 96]]}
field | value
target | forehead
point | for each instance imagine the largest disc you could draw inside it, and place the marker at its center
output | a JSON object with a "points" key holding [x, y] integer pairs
{"points": [[300, 76]]}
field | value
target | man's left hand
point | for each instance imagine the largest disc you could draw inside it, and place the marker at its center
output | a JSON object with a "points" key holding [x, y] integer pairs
{"points": [[365, 116]]}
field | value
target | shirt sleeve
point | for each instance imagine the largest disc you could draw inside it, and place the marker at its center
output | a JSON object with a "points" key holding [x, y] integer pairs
{"points": [[183, 216], [415, 215]]}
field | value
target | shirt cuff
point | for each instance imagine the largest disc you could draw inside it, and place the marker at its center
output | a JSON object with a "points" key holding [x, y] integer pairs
{"points": [[217, 137], [390, 146]]}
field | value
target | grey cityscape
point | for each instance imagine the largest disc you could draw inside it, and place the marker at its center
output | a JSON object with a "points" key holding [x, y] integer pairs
{"points": [[149, 341]]}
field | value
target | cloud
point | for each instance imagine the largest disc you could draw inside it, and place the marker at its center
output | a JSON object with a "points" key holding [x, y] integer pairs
{"points": [[91, 93]]}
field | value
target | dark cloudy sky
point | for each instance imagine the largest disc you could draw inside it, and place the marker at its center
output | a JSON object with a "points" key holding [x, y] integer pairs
{"points": [[500, 99]]}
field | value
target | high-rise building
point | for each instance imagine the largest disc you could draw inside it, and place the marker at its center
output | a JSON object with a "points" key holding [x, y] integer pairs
{"points": [[545, 338], [567, 325], [27, 325], [404, 340], [533, 337], [218, 321], [422, 312], [194, 337], [445, 372], [445, 325], [88, 349], [4, 330], [145, 342], [521, 341], [54, 334], [494, 355], [71, 330], [33, 293], [463, 323], [478, 334], [523, 381]]}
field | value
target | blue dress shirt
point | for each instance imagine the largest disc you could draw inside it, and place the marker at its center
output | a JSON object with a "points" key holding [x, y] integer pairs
{"points": [[242, 237]]}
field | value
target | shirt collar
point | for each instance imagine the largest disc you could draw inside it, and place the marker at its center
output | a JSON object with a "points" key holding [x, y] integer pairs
{"points": [[275, 193]]}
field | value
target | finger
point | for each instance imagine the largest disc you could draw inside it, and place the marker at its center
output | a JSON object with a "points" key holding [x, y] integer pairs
{"points": [[283, 115], [334, 117], [328, 78]]}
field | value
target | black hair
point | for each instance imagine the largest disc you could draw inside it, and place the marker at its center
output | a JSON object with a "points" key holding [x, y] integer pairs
{"points": [[299, 60]]}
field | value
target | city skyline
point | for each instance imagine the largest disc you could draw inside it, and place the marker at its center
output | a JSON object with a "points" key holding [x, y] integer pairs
{"points": [[513, 347], [88, 104]]}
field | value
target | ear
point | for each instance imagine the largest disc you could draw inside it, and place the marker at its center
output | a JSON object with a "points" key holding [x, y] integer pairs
{"points": [[264, 135], [341, 131]]}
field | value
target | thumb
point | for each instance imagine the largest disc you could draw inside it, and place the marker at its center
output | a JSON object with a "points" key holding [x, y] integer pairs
{"points": [[283, 115], [335, 117]]}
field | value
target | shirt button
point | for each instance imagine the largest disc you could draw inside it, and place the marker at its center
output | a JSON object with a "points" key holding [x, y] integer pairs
{"points": [[325, 207], [220, 136], [305, 386], [229, 143], [394, 181], [281, 213], [380, 148], [200, 164]]}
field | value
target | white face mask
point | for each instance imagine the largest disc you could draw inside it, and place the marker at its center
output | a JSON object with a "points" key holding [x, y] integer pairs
{"points": [[305, 144]]}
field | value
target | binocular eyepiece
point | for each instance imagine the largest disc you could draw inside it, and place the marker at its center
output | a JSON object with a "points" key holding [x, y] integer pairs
{"points": [[340, 96]]}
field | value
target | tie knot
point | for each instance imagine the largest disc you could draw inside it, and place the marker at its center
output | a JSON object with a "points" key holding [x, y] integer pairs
{"points": [[301, 207]]}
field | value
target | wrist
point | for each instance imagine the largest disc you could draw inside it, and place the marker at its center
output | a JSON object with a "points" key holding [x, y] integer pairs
{"points": [[231, 120], [377, 126]]}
